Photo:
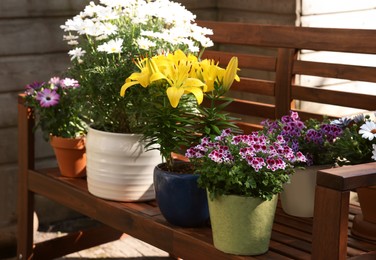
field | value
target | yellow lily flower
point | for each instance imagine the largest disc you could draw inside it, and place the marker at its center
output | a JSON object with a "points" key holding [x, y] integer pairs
{"points": [[208, 72], [142, 78], [176, 71]]}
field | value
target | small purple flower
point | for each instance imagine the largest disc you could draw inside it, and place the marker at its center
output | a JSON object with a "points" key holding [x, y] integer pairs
{"points": [[221, 155], [31, 88], [256, 162], [48, 98], [314, 136], [55, 81], [300, 157], [359, 118], [275, 164], [331, 131], [294, 115], [342, 122]]}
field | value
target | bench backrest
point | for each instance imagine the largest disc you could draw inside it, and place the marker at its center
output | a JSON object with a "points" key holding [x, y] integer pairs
{"points": [[279, 75]]}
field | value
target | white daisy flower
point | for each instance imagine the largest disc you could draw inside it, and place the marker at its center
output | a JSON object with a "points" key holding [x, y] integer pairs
{"points": [[108, 28], [118, 3], [73, 42], [113, 46], [76, 53], [145, 43], [368, 130], [70, 37]]}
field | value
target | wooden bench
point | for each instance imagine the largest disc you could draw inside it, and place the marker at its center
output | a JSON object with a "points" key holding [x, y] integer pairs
{"points": [[326, 236]]}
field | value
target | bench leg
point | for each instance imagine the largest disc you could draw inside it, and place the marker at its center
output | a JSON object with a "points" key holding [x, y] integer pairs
{"points": [[25, 198], [330, 224]]}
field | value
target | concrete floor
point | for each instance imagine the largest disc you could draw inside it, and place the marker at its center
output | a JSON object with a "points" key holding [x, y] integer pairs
{"points": [[126, 248]]}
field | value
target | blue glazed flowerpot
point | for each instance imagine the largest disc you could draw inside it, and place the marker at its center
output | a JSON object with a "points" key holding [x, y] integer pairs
{"points": [[180, 200]]}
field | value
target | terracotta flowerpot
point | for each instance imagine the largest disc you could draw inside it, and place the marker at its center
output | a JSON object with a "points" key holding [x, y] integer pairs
{"points": [[364, 225], [242, 225], [70, 155]]}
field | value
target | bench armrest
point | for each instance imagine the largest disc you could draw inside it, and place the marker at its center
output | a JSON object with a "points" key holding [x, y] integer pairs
{"points": [[348, 177], [330, 222]]}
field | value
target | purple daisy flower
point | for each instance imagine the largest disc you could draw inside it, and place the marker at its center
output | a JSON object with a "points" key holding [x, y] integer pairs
{"points": [[32, 87], [48, 98], [55, 81]]}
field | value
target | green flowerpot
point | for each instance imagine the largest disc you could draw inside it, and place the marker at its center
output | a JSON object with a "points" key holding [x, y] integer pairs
{"points": [[242, 225]]}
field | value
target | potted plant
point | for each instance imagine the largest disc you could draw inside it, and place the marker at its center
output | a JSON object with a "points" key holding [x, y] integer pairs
{"points": [[243, 175], [357, 145], [106, 39], [57, 115], [177, 84], [314, 139]]}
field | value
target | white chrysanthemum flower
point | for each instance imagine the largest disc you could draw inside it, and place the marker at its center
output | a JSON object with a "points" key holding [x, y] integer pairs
{"points": [[74, 24], [113, 46], [70, 37], [101, 37], [72, 42], [107, 13], [108, 28], [90, 10], [368, 130], [117, 3], [91, 28], [374, 152], [145, 43], [76, 53]]}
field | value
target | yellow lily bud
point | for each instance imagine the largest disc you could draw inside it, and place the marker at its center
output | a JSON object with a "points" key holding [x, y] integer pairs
{"points": [[230, 73]]}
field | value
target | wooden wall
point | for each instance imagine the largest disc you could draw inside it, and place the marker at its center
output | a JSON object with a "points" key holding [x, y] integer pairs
{"points": [[32, 49], [282, 12]]}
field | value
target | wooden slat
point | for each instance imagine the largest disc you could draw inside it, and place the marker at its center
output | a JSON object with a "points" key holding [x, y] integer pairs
{"points": [[307, 115], [255, 86], [332, 70], [249, 61], [248, 127], [328, 39], [251, 108], [335, 97], [288, 251]]}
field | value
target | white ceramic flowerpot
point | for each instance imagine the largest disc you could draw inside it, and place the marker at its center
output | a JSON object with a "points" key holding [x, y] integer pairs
{"points": [[298, 196], [118, 168]]}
